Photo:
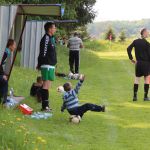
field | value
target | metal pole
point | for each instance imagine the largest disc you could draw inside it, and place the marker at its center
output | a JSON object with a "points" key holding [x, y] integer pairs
{"points": [[20, 38]]}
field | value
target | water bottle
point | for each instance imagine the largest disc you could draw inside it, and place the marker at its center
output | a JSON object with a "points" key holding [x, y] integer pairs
{"points": [[11, 92]]}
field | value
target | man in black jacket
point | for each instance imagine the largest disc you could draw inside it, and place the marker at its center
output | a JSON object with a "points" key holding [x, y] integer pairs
{"points": [[46, 62], [142, 62]]}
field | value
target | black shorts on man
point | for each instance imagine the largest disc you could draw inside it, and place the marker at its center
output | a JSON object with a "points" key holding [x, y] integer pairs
{"points": [[142, 68]]}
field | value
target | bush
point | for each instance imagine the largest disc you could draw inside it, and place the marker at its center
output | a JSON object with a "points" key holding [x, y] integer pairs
{"points": [[95, 45], [122, 36], [110, 34]]}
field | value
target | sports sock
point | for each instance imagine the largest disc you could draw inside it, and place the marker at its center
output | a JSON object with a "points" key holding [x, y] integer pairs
{"points": [[146, 89], [135, 89], [45, 96]]}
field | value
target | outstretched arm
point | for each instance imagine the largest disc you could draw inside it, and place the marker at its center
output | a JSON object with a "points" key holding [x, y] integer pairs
{"points": [[79, 84]]}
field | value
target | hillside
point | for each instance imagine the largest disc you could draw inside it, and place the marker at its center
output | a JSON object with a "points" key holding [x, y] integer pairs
{"points": [[131, 28]]}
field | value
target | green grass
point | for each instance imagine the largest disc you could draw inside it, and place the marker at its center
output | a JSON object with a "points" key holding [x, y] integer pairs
{"points": [[109, 81]]}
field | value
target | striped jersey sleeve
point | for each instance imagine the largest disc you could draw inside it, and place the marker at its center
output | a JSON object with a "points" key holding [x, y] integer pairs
{"points": [[78, 86], [70, 99]]}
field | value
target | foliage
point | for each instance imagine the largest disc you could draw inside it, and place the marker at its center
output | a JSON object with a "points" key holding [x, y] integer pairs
{"points": [[97, 29], [96, 45], [110, 35], [85, 12], [122, 36], [109, 77], [81, 10]]}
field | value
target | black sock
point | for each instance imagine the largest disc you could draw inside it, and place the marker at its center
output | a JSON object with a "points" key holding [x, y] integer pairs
{"points": [[135, 89], [45, 96], [4, 99], [146, 89]]}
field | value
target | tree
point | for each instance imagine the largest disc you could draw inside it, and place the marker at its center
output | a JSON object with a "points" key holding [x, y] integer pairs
{"points": [[110, 35], [122, 36], [85, 12], [83, 32], [81, 10]]}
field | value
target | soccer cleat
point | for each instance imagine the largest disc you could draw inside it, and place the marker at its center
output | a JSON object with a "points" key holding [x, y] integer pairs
{"points": [[146, 99], [47, 109], [134, 98], [103, 108]]}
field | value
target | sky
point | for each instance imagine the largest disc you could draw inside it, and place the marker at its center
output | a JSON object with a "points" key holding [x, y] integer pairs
{"points": [[122, 10]]}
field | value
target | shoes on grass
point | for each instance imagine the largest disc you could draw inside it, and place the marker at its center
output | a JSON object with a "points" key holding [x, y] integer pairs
{"points": [[134, 98], [103, 108], [47, 109], [146, 99]]}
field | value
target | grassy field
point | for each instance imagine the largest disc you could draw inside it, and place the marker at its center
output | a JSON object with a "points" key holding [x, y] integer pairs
{"points": [[109, 80]]}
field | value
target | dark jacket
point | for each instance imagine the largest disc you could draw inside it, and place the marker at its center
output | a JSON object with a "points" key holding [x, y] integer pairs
{"points": [[1, 73], [35, 89], [142, 50], [2, 63], [47, 55]]}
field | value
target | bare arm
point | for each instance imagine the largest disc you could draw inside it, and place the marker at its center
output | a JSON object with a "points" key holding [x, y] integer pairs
{"points": [[81, 44]]}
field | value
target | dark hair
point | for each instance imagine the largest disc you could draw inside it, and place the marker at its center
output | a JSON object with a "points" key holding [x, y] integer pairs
{"points": [[67, 86], [143, 30], [48, 25], [39, 79], [75, 34], [10, 42]]}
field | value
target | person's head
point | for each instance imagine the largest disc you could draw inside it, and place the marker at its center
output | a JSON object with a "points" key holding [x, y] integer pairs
{"points": [[11, 44], [75, 34], [39, 80], [67, 86], [144, 33], [50, 28]]}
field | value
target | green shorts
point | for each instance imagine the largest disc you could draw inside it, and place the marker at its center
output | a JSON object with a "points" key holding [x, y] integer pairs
{"points": [[48, 72]]}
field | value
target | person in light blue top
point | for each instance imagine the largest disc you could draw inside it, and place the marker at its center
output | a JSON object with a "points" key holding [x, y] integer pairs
{"points": [[71, 101], [11, 46]]}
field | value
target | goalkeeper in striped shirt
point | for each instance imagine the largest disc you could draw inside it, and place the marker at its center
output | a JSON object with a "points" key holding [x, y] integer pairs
{"points": [[71, 101]]}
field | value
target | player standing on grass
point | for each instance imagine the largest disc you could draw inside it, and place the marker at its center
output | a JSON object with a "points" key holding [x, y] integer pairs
{"points": [[46, 62], [74, 45], [142, 62]]}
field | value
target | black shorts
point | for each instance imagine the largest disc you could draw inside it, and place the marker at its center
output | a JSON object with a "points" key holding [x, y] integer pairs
{"points": [[142, 68]]}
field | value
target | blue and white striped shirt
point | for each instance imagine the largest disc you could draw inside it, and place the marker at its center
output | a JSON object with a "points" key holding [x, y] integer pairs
{"points": [[70, 99]]}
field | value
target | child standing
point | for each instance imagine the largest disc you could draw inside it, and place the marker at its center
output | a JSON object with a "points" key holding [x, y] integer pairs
{"points": [[71, 101]]}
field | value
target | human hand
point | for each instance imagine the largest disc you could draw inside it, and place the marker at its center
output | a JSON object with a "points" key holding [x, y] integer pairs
{"points": [[62, 110], [133, 61], [82, 77], [37, 68], [5, 77]]}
